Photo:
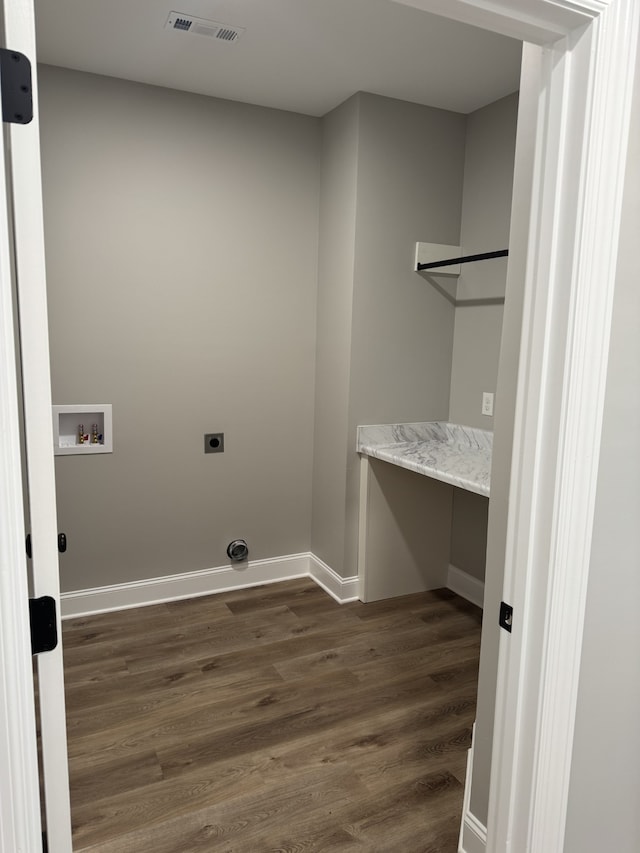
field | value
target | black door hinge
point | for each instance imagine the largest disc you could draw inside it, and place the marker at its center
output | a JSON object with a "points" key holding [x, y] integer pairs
{"points": [[15, 84], [506, 616], [44, 628]]}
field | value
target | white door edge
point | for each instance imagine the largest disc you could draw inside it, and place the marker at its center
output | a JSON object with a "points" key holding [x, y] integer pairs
{"points": [[19, 787], [561, 387], [23, 161]]}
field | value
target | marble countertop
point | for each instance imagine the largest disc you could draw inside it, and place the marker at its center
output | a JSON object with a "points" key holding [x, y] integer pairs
{"points": [[454, 454]]}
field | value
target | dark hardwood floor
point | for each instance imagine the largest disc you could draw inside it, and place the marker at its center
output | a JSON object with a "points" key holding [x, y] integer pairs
{"points": [[271, 719]]}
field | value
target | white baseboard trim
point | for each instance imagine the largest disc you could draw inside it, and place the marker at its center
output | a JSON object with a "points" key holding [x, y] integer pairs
{"points": [[473, 837], [121, 596], [466, 585], [342, 589], [473, 834], [87, 602]]}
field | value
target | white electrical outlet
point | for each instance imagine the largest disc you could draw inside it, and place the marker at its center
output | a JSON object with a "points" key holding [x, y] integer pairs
{"points": [[487, 403]]}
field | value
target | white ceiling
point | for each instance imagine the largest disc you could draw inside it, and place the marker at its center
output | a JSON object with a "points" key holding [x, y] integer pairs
{"points": [[301, 55]]}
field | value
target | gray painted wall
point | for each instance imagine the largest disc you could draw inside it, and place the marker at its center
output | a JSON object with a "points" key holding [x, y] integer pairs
{"points": [[486, 208], [181, 239], [407, 532], [410, 173], [486, 215], [408, 169], [476, 352], [417, 171], [605, 775], [468, 541], [410, 179], [340, 130]]}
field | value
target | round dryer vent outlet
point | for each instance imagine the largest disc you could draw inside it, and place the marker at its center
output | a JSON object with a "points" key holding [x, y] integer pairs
{"points": [[238, 550]]}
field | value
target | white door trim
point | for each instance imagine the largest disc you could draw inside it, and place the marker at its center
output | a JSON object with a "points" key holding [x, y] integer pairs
{"points": [[19, 789], [536, 21], [582, 132], [559, 410], [23, 160]]}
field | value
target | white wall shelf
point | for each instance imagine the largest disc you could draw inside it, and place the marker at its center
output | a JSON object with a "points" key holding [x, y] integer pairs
{"points": [[67, 421], [429, 253]]}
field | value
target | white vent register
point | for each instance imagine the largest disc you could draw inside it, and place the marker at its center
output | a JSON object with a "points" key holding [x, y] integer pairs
{"points": [[201, 27]]}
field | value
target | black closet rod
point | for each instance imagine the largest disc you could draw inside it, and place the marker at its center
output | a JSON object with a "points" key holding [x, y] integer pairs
{"points": [[467, 259]]}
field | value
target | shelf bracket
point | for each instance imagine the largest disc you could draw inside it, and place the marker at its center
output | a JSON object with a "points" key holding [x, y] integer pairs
{"points": [[438, 258]]}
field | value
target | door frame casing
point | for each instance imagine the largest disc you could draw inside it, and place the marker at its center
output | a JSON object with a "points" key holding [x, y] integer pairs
{"points": [[19, 785], [586, 91], [584, 104], [25, 209]]}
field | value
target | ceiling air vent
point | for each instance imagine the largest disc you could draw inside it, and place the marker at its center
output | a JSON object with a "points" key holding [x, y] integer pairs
{"points": [[201, 27]]}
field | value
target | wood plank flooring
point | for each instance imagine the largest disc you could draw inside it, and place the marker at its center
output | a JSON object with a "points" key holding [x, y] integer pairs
{"points": [[271, 719]]}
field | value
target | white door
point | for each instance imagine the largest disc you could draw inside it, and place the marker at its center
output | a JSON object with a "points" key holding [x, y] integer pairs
{"points": [[22, 156], [19, 800]]}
